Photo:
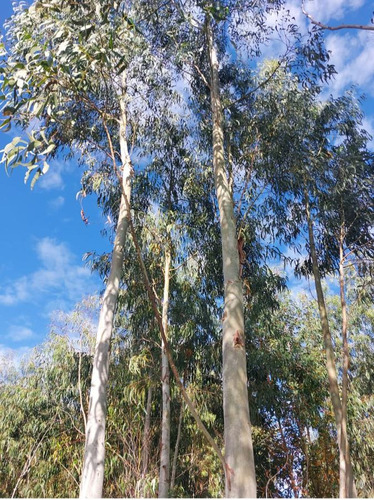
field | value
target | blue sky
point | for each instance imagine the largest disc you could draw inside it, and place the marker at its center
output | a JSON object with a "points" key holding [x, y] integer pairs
{"points": [[43, 236]]}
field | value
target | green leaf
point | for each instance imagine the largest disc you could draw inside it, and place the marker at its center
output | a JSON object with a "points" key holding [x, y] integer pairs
{"points": [[35, 178], [28, 172], [6, 125], [49, 149]]}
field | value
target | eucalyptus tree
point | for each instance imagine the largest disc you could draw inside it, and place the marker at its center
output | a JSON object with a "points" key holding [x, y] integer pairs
{"points": [[47, 397], [55, 53], [311, 143], [346, 216], [289, 392], [173, 218], [196, 37], [347, 224]]}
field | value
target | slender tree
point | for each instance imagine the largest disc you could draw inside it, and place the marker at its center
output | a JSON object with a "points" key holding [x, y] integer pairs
{"points": [[79, 101], [307, 188]]}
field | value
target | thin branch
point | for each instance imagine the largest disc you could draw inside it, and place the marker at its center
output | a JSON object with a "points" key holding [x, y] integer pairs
{"points": [[260, 85], [202, 76], [275, 475], [155, 11], [69, 473], [335, 28], [192, 256], [247, 179], [30, 458], [174, 369]]}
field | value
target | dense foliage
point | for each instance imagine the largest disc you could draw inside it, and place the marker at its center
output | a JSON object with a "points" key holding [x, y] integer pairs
{"points": [[42, 425], [132, 84]]}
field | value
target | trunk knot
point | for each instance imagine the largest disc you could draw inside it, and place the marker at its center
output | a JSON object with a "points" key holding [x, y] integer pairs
{"points": [[238, 339]]}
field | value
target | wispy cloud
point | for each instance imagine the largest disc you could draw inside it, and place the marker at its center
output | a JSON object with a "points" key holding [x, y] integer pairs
{"points": [[54, 178], [324, 11], [59, 279], [18, 333], [57, 202], [358, 68]]}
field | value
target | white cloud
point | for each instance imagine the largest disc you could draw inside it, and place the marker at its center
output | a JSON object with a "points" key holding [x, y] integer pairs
{"points": [[53, 179], [59, 279], [57, 202], [18, 333], [324, 11], [352, 54]]}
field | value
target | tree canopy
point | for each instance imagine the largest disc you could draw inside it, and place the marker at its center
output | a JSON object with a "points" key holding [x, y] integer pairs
{"points": [[213, 165]]}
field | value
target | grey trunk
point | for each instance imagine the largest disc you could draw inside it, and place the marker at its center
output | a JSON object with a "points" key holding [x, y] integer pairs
{"points": [[347, 483], [146, 435], [176, 449], [94, 453], [344, 466], [240, 470], [164, 478]]}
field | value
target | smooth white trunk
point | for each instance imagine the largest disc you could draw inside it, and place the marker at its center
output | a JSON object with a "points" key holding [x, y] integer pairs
{"points": [[94, 454], [240, 470], [164, 478]]}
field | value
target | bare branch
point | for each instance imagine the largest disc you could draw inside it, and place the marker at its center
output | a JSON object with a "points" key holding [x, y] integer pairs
{"points": [[335, 28]]}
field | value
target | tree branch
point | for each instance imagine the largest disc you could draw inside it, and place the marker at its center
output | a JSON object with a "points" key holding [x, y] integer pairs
{"points": [[262, 84], [335, 28]]}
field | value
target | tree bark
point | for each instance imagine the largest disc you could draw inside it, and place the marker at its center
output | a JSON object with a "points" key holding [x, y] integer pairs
{"points": [[330, 355], [240, 470], [146, 435], [176, 449], [164, 478], [348, 488], [94, 454]]}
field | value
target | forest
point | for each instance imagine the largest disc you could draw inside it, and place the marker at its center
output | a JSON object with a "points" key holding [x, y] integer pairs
{"points": [[225, 169]]}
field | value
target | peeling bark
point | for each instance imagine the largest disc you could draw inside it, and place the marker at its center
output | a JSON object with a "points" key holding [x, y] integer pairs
{"points": [[240, 471]]}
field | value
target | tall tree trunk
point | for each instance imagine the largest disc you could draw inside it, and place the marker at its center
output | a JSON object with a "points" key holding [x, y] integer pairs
{"points": [[94, 454], [176, 449], [164, 478], [330, 355], [348, 478], [146, 435], [240, 473]]}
